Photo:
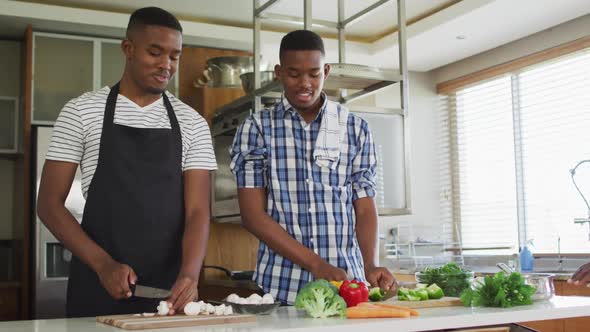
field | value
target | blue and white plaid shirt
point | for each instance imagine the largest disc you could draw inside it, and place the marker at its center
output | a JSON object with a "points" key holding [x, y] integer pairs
{"points": [[273, 149]]}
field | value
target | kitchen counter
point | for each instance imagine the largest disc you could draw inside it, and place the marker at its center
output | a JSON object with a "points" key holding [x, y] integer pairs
{"points": [[481, 271], [289, 319]]}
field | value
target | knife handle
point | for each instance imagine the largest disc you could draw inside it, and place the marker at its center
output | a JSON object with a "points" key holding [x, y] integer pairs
{"points": [[132, 288]]}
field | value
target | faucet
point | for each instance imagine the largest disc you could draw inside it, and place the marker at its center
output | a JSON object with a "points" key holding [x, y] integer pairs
{"points": [[581, 221]]}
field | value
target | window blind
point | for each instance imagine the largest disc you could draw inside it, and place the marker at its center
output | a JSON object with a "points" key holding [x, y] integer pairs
{"points": [[484, 164], [554, 106], [509, 144]]}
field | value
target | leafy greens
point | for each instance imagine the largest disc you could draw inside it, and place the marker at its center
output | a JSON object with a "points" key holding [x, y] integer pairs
{"points": [[499, 290], [450, 277]]}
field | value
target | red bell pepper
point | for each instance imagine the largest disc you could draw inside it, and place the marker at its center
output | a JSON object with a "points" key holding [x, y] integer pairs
{"points": [[354, 292]]}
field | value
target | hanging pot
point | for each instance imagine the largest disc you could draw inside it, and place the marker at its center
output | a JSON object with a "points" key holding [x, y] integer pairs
{"points": [[266, 77], [225, 71]]}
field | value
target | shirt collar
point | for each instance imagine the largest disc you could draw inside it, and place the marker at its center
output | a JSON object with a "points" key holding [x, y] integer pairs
{"points": [[288, 108]]}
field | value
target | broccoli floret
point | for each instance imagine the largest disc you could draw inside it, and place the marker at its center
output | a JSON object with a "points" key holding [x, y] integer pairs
{"points": [[435, 292], [376, 294], [337, 307], [421, 293], [403, 291], [406, 294], [319, 300]]}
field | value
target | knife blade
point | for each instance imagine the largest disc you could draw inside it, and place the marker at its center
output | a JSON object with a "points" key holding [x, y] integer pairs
{"points": [[149, 292], [389, 294]]}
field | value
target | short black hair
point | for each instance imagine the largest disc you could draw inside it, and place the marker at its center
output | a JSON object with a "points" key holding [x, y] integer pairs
{"points": [[153, 16], [302, 40]]}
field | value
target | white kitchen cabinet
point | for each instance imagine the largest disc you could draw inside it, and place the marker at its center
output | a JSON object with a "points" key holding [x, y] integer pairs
{"points": [[8, 124], [387, 127], [63, 68], [112, 62]]}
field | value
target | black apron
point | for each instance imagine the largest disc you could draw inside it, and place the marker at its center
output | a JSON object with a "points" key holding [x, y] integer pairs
{"points": [[134, 211]]}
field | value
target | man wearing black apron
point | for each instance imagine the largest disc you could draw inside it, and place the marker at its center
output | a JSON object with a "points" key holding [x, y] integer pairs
{"points": [[146, 216]]}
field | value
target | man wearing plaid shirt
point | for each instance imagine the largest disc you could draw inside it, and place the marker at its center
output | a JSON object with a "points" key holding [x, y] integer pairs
{"points": [[305, 170]]}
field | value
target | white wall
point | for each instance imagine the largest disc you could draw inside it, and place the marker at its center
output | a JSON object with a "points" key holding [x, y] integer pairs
{"points": [[540, 41], [423, 156]]}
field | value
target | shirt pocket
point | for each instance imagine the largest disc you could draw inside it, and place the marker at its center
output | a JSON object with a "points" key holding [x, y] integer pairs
{"points": [[338, 178], [329, 194]]}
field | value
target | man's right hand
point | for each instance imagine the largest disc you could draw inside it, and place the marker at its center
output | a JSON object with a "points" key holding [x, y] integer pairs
{"points": [[116, 278], [582, 276], [324, 270]]}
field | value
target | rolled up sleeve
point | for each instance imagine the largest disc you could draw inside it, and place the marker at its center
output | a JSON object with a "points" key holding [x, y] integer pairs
{"points": [[364, 165], [248, 156], [67, 140]]}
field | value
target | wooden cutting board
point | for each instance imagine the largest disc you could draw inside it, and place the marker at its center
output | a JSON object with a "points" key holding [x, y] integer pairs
{"points": [[132, 322], [443, 302]]}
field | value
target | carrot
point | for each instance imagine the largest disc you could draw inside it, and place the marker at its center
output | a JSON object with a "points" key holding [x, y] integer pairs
{"points": [[366, 304], [387, 305], [373, 311]]}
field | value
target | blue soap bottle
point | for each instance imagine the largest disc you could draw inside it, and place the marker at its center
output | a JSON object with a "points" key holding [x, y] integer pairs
{"points": [[526, 257]]}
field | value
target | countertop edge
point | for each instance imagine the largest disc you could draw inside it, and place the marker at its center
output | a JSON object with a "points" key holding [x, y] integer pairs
{"points": [[289, 319]]}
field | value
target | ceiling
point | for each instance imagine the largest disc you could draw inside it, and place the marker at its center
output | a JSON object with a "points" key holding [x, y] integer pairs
{"points": [[439, 31], [373, 25]]}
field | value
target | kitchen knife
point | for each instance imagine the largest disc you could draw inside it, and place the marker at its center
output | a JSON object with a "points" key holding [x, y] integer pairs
{"points": [[389, 294], [149, 292]]}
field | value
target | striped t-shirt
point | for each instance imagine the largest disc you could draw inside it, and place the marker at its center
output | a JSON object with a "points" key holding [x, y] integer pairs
{"points": [[77, 131]]}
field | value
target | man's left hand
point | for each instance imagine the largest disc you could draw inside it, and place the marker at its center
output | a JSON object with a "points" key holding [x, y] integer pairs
{"points": [[183, 292], [380, 277]]}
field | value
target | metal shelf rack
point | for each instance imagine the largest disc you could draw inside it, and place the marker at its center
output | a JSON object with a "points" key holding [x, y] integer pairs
{"points": [[360, 80], [408, 252], [343, 76]]}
